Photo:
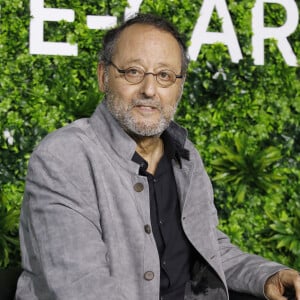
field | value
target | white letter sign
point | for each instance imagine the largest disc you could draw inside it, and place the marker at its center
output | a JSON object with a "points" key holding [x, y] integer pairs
{"points": [[134, 7], [201, 36], [260, 33], [100, 22], [40, 14]]}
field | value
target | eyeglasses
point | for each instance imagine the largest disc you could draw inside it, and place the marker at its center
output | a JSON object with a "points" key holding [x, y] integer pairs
{"points": [[135, 75]]}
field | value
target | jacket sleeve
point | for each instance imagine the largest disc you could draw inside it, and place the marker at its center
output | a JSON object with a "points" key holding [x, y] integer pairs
{"points": [[64, 254], [245, 272]]}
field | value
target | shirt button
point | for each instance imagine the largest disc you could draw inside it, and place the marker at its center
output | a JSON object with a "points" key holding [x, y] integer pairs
{"points": [[147, 228], [149, 275], [138, 187], [161, 222], [164, 262]]}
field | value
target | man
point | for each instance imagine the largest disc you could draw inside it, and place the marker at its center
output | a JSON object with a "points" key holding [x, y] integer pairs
{"points": [[119, 206]]}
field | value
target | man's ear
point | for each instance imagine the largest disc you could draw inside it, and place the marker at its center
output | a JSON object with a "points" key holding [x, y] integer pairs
{"points": [[101, 76]]}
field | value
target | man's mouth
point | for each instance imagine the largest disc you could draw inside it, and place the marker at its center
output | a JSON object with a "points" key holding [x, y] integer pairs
{"points": [[146, 105], [146, 109]]}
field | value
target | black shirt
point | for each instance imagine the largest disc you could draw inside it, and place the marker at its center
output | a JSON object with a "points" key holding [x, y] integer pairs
{"points": [[173, 247]]}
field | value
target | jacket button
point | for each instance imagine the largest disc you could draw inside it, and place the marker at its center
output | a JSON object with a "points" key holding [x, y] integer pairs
{"points": [[149, 275], [138, 187], [147, 228]]}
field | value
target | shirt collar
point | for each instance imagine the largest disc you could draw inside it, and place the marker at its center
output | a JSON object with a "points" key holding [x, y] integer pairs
{"points": [[172, 150]]}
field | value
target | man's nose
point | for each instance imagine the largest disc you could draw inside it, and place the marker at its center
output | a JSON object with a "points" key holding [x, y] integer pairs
{"points": [[149, 85]]}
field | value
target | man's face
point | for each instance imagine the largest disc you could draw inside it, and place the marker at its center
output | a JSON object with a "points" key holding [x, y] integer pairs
{"points": [[146, 108]]}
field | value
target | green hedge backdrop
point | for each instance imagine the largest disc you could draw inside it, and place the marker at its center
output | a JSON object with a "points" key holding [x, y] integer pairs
{"points": [[244, 119]]}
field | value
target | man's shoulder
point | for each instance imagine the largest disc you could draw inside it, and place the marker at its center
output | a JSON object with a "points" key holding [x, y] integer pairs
{"points": [[68, 139]]}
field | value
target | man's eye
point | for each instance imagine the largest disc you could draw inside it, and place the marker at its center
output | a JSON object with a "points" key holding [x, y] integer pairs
{"points": [[133, 72], [165, 75]]}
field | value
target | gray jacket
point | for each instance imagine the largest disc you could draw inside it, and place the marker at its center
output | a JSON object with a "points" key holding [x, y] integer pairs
{"points": [[83, 217]]}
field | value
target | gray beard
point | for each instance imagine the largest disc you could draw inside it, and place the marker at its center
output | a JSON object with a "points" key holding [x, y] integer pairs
{"points": [[139, 128]]}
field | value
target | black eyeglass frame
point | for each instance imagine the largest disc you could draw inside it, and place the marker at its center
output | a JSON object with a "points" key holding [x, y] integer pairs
{"points": [[123, 71]]}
